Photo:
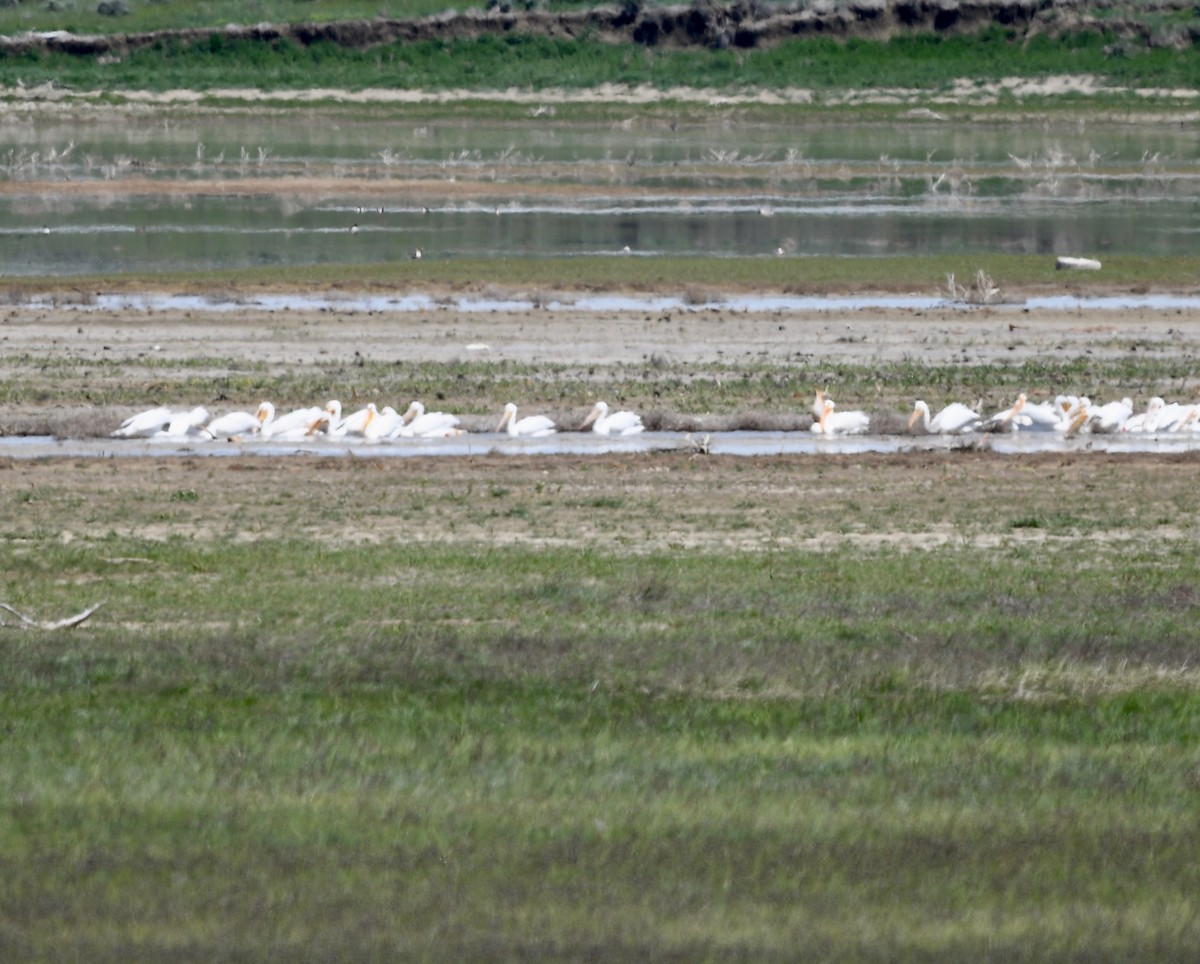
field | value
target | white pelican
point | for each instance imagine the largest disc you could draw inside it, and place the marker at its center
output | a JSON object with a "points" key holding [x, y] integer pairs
{"points": [[618, 423], [356, 423], [840, 423], [818, 405], [296, 424], [419, 423], [237, 424], [1172, 417], [186, 425], [1061, 415], [1144, 421], [955, 417], [145, 423], [531, 426], [385, 424], [1109, 417]]}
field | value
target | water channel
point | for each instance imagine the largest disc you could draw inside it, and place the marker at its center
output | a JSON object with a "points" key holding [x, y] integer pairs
{"points": [[542, 188]]}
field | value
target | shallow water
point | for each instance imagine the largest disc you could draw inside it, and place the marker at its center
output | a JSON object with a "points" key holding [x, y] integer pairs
{"points": [[583, 443], [601, 303], [915, 187]]}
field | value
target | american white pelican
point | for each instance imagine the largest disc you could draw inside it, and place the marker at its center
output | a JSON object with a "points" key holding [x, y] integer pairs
{"points": [[954, 418], [1144, 421], [1061, 415], [419, 423], [356, 423], [1037, 417], [295, 425], [818, 405], [1172, 417], [840, 423], [237, 424], [531, 426], [186, 425], [1109, 417], [384, 424], [618, 423], [145, 423]]}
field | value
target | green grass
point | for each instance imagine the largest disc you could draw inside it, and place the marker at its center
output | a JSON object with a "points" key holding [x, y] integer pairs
{"points": [[928, 63], [479, 388], [693, 277], [312, 752], [145, 15]]}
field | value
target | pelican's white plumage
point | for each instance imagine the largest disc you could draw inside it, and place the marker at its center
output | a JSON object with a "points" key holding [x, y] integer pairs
{"points": [[238, 424], [1144, 421], [818, 405], [531, 426], [954, 418], [419, 423], [618, 423], [184, 425], [1109, 417], [840, 423], [295, 425], [384, 425], [1064, 414], [356, 423], [145, 424]]}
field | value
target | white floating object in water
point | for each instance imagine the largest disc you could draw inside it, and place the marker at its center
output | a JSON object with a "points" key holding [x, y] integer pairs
{"points": [[1081, 264], [478, 346]]}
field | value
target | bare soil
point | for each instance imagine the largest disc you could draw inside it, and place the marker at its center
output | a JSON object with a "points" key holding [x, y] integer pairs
{"points": [[634, 503]]}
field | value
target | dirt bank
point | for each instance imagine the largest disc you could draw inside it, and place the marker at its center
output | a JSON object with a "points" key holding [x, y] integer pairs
{"points": [[703, 23]]}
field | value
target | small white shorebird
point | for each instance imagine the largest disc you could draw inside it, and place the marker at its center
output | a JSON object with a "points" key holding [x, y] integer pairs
{"points": [[531, 426], [618, 423]]}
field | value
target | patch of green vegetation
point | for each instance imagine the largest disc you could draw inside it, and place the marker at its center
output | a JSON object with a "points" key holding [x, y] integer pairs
{"points": [[931, 62], [147, 15], [302, 750], [691, 277]]}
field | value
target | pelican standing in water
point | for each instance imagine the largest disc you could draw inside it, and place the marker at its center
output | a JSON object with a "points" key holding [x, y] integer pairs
{"points": [[618, 423], [531, 426], [840, 423], [953, 419]]}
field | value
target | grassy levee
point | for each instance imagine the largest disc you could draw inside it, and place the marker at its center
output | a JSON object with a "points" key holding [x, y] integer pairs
{"points": [[930, 63], [322, 751]]}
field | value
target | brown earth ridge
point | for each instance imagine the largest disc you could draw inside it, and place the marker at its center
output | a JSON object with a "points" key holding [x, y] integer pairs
{"points": [[703, 23]]}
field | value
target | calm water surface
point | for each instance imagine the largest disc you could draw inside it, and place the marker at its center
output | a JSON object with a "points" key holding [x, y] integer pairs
{"points": [[917, 187]]}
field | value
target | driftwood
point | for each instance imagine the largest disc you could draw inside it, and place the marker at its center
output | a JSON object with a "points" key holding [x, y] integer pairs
{"points": [[26, 622]]}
